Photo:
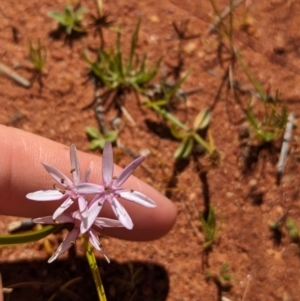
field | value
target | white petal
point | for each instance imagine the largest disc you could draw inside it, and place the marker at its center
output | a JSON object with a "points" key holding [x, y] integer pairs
{"points": [[128, 170], [121, 214], [94, 240], [58, 176], [66, 244], [62, 208], [64, 218], [107, 164], [83, 208], [74, 164], [103, 222], [136, 197], [93, 213], [86, 176], [45, 195]]}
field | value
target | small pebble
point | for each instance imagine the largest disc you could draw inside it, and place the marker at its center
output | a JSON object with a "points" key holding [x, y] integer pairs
{"points": [[189, 47], [252, 183], [154, 18]]}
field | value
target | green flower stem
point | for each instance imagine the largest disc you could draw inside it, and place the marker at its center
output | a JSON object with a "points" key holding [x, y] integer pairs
{"points": [[16, 239], [94, 268], [200, 141], [177, 122], [169, 117]]}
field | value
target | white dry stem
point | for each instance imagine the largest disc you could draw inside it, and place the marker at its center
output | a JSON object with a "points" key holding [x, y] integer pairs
{"points": [[223, 15], [249, 278], [286, 143], [126, 113], [14, 75]]}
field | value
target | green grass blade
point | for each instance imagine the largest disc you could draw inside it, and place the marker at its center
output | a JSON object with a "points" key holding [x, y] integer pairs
{"points": [[15, 239], [134, 40]]}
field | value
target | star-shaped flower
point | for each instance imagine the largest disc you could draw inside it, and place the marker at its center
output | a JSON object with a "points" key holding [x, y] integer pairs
{"points": [[75, 218], [67, 193], [112, 189]]}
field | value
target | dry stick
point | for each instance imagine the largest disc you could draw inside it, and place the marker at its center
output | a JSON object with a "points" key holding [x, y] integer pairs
{"points": [[223, 15], [99, 109], [249, 278], [125, 112], [240, 87], [285, 144], [14, 75]]}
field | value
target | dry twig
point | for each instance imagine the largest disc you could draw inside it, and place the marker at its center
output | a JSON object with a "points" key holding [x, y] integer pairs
{"points": [[285, 144], [223, 15], [14, 75]]}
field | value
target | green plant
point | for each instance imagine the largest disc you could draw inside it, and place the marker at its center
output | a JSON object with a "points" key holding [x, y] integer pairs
{"points": [[223, 278], [293, 230], [164, 93], [70, 18], [209, 227], [37, 55], [271, 126], [97, 139], [115, 73], [190, 137]]}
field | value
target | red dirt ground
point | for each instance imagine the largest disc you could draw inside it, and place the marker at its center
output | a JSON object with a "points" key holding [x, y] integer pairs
{"points": [[172, 268]]}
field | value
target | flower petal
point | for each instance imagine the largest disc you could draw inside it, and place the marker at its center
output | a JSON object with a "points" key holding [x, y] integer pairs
{"points": [[74, 164], [128, 170], [103, 222], [121, 214], [83, 208], [45, 195], [88, 188], [58, 176], [94, 240], [136, 197], [93, 213], [86, 176], [62, 208], [64, 218], [107, 164], [66, 244]]}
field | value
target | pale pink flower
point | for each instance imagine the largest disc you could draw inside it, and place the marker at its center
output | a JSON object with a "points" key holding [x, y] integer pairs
{"points": [[112, 189], [91, 233], [66, 190]]}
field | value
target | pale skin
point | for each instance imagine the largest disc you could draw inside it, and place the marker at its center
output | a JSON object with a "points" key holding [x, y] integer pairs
{"points": [[21, 172]]}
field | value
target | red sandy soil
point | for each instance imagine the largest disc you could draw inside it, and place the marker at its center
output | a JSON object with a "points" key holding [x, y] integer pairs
{"points": [[174, 267]]}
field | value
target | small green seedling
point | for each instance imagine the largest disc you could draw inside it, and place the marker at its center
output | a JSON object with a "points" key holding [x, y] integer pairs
{"points": [[164, 94], [37, 55], [115, 73], [191, 137], [272, 126], [70, 18], [293, 230], [223, 278], [97, 139], [209, 227], [276, 226]]}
